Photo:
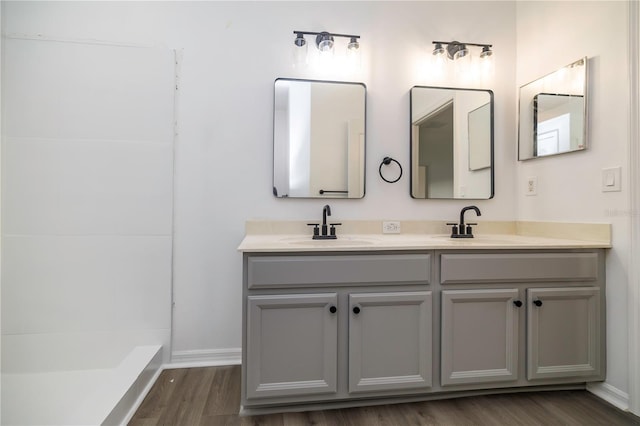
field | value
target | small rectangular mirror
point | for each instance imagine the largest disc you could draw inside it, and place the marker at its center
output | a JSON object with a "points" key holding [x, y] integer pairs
{"points": [[553, 112], [318, 139], [451, 143]]}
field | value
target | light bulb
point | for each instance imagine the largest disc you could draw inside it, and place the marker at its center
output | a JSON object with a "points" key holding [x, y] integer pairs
{"points": [[353, 54], [353, 45], [461, 53], [299, 51], [437, 64], [324, 41], [486, 52], [299, 54], [462, 66], [299, 41], [487, 67], [438, 50]]}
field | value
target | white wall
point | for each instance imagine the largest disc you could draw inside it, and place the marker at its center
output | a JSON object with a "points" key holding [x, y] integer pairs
{"points": [[232, 53], [569, 186]]}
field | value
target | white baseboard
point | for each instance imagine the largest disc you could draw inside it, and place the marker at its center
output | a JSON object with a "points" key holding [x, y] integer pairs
{"points": [[611, 394], [205, 358]]}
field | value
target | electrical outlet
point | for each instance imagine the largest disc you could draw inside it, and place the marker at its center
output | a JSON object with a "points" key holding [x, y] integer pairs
{"points": [[532, 186], [390, 227]]}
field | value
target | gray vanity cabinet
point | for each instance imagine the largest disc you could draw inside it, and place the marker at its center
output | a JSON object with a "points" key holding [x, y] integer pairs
{"points": [[390, 341], [336, 329], [479, 336], [563, 332], [486, 300], [322, 327], [292, 344]]}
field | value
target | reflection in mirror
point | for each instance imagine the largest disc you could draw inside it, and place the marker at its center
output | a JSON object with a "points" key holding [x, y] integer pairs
{"points": [[318, 139], [451, 143], [553, 113]]}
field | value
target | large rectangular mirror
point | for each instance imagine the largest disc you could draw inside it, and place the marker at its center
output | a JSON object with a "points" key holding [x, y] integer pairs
{"points": [[451, 143], [318, 139], [553, 111]]}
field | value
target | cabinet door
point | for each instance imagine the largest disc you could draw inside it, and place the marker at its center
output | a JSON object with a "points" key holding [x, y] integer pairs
{"points": [[390, 341], [563, 328], [479, 336], [292, 345]]}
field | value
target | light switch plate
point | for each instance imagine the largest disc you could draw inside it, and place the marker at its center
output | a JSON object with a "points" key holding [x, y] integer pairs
{"points": [[611, 179]]}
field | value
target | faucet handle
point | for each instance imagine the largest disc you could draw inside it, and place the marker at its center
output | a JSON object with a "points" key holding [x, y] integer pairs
{"points": [[454, 228], [469, 230], [316, 229], [332, 230]]}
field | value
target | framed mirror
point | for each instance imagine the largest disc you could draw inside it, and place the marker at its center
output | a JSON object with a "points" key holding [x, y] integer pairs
{"points": [[553, 113], [451, 143], [319, 139]]}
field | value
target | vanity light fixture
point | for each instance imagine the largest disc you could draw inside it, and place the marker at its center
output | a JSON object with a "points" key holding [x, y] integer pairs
{"points": [[456, 50], [455, 61], [325, 42]]}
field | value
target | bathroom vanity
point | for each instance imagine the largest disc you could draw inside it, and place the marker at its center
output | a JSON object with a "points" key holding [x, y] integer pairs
{"points": [[379, 318]]}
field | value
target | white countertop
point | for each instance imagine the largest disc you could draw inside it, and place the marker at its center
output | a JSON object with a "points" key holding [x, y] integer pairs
{"points": [[380, 242]]}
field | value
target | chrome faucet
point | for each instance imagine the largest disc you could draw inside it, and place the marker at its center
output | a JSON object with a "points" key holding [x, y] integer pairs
{"points": [[462, 230], [324, 231]]}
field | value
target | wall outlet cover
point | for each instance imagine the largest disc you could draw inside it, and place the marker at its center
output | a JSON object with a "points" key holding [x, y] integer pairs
{"points": [[531, 186], [391, 227]]}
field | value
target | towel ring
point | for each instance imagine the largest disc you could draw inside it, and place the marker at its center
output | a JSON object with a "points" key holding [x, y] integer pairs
{"points": [[385, 162]]}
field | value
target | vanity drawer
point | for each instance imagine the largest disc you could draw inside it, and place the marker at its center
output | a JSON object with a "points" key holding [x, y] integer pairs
{"points": [[295, 271], [518, 267]]}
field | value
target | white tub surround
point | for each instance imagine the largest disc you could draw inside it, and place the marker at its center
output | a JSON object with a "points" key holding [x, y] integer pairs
{"points": [[102, 395], [87, 222]]}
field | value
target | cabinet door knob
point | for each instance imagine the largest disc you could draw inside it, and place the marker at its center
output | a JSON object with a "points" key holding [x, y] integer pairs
{"points": [[518, 303], [356, 310], [537, 302], [333, 309]]}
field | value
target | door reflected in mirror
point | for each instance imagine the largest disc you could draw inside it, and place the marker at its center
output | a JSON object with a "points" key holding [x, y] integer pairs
{"points": [[451, 143], [553, 112], [319, 139]]}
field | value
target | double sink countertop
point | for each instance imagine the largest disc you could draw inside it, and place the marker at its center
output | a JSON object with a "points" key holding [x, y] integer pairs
{"points": [[295, 236]]}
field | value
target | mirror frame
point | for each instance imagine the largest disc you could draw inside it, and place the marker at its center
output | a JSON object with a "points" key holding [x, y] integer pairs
{"points": [[364, 143], [491, 141], [584, 61]]}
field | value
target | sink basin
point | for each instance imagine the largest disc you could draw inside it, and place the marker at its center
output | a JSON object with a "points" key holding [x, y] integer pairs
{"points": [[340, 241]]}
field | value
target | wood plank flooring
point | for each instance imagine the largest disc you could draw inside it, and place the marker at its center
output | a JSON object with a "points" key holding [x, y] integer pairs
{"points": [[211, 396]]}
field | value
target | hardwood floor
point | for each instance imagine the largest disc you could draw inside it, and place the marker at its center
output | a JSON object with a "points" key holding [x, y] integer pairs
{"points": [[211, 396]]}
